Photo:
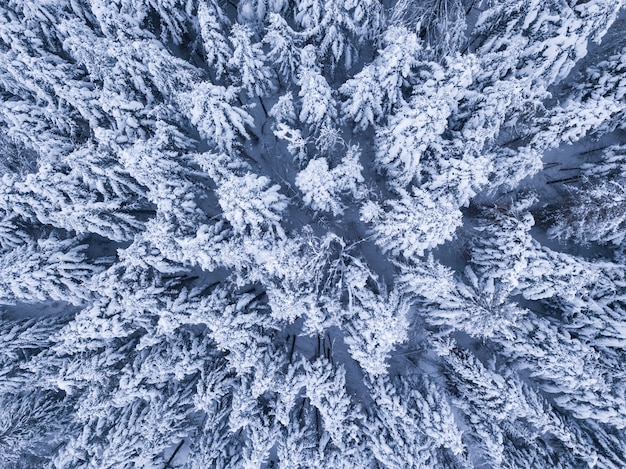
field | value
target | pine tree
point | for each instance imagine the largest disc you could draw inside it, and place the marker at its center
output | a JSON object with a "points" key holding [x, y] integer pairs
{"points": [[419, 122], [322, 187], [247, 61], [479, 306], [411, 224], [52, 268], [217, 50], [363, 104], [250, 11], [21, 341], [378, 323], [214, 445], [593, 210], [603, 82], [540, 55], [502, 405], [393, 432], [318, 106], [325, 389], [250, 204], [332, 25], [503, 242], [298, 448], [394, 68], [31, 425], [283, 45], [74, 200], [217, 120], [569, 367]]}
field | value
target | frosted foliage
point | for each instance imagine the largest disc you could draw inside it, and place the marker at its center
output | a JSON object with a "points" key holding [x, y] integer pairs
{"points": [[308, 13], [325, 388], [298, 447], [395, 419], [247, 61], [296, 143], [28, 424], [336, 26], [73, 199], [125, 435], [477, 305], [317, 184], [379, 323], [603, 321], [318, 105], [175, 14], [11, 234], [19, 337], [606, 78], [420, 122], [50, 269], [214, 44], [283, 51], [317, 101], [420, 415], [249, 202], [412, 224], [394, 65], [438, 421], [538, 29], [255, 10], [492, 111], [334, 234], [363, 105], [595, 212], [610, 166], [510, 167], [400, 145], [284, 112], [214, 447], [501, 248], [555, 274], [573, 121], [209, 109], [504, 399], [568, 367], [261, 440], [323, 187]]}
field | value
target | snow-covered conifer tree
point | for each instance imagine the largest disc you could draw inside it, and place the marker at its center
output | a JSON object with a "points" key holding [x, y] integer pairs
{"points": [[51, 268], [209, 109], [248, 62], [318, 106], [594, 210], [283, 45], [32, 423], [413, 223], [216, 48], [378, 322], [322, 186]]}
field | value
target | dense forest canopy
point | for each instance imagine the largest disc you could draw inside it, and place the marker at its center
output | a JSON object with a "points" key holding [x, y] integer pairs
{"points": [[312, 234]]}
